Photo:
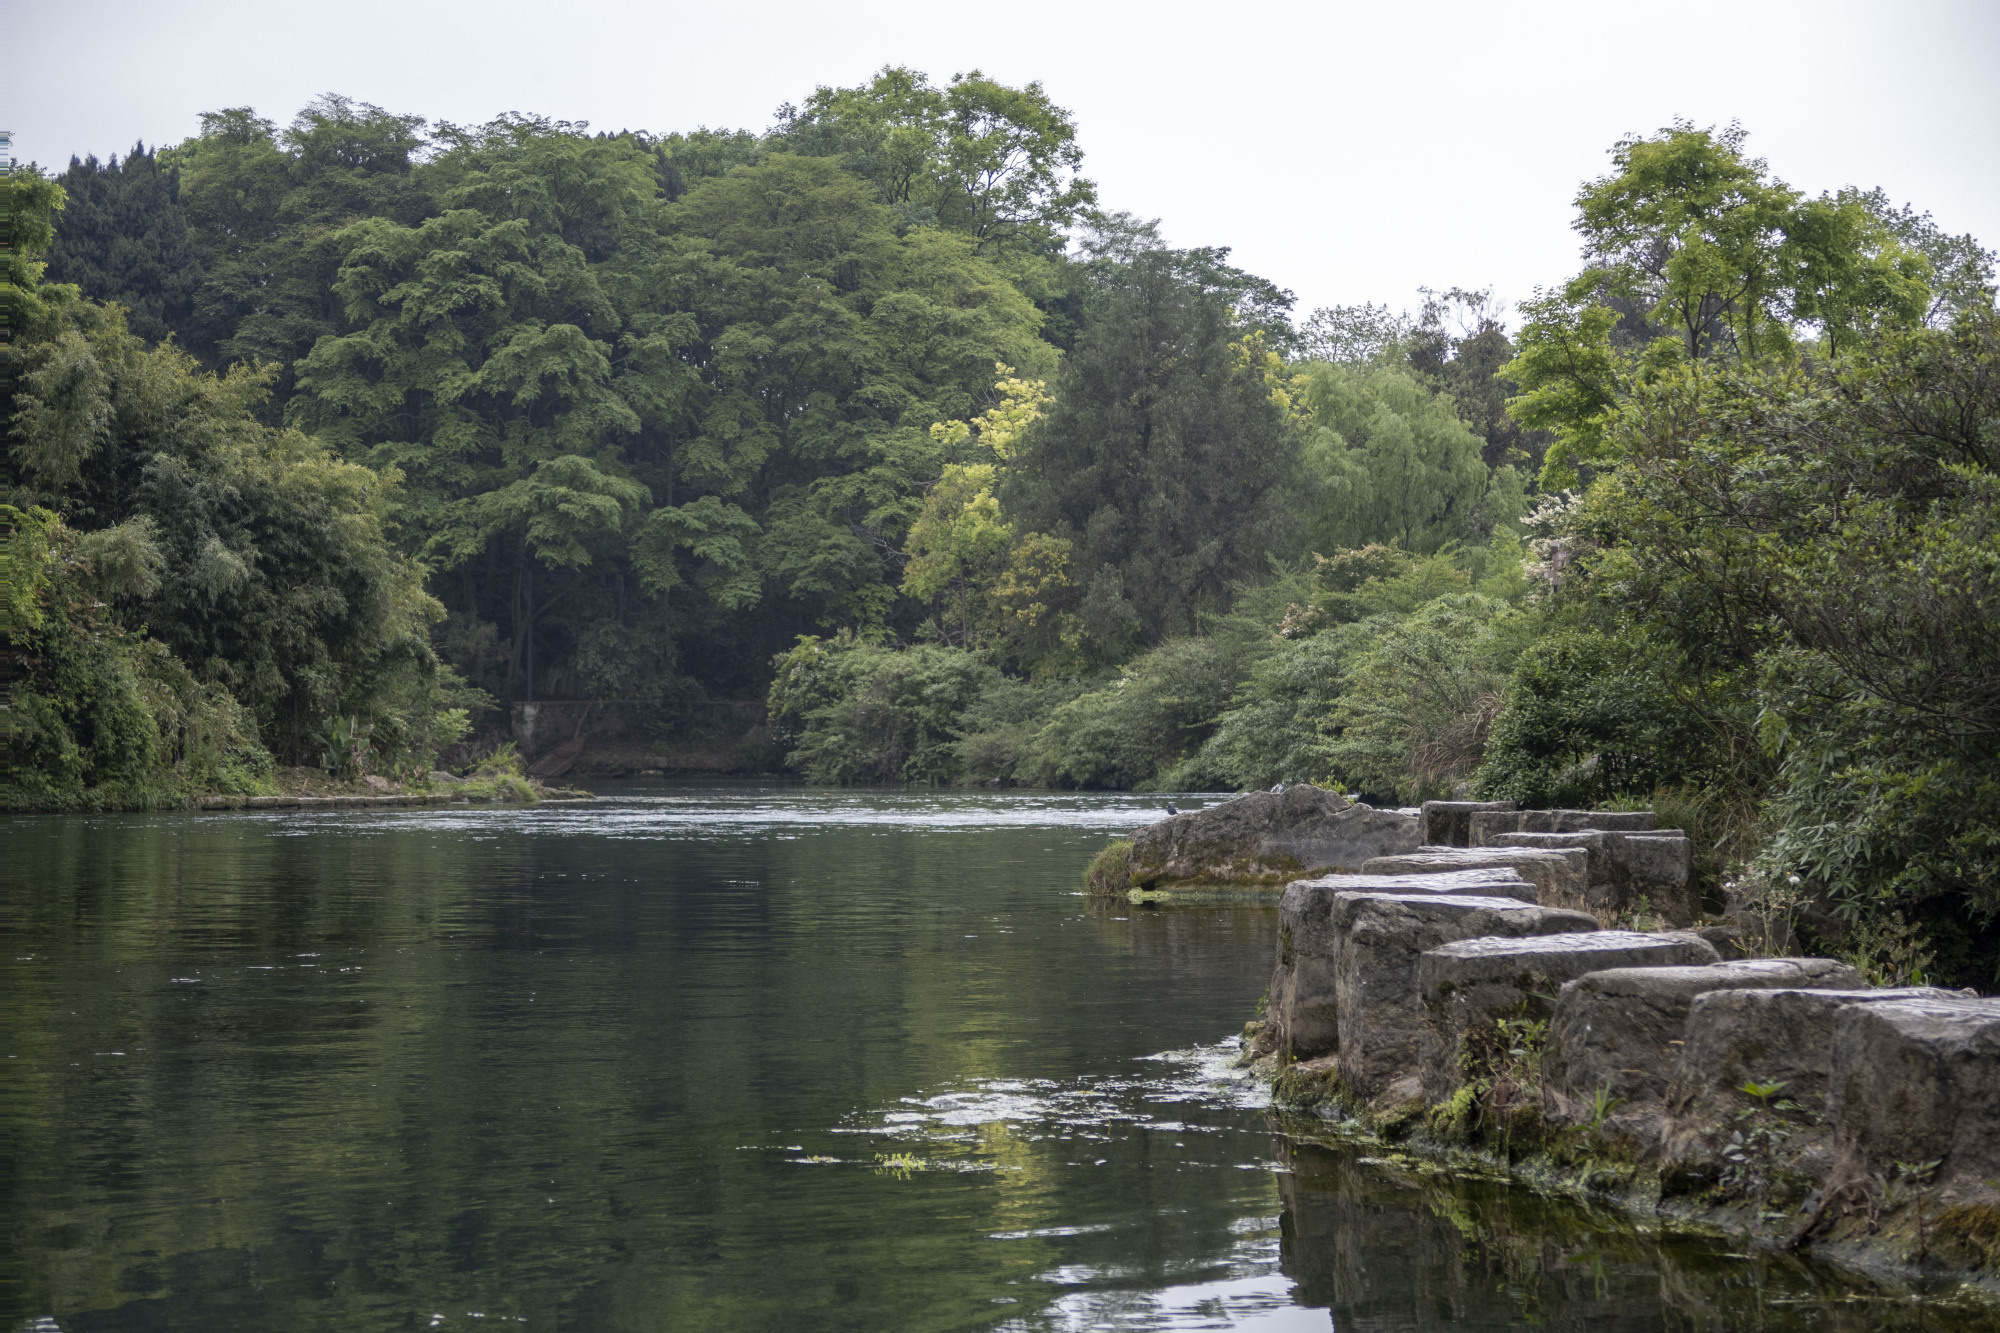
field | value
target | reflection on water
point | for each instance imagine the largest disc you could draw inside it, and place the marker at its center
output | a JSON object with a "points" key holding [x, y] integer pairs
{"points": [[707, 1058], [1389, 1246]]}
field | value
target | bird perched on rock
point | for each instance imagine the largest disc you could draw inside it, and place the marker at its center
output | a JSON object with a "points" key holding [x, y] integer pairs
{"points": [[1277, 788], [1173, 809]]}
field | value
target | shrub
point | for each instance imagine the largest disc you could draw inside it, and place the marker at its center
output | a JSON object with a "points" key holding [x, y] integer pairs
{"points": [[1134, 731], [1420, 698], [101, 717], [852, 711], [1276, 727], [1587, 718]]}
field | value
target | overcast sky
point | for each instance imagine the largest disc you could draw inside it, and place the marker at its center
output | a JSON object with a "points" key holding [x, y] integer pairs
{"points": [[1350, 152]]}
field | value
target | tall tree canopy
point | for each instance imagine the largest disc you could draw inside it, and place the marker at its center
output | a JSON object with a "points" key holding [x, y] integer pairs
{"points": [[125, 238], [1694, 251], [1171, 455]]}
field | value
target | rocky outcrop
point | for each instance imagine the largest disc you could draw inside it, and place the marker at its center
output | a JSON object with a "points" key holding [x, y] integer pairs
{"points": [[1502, 881], [1559, 875], [1632, 870], [1775, 1097], [1483, 826], [1471, 986], [1616, 1039], [1267, 838]]}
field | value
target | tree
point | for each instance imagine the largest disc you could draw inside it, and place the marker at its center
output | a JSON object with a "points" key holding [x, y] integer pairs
{"points": [[1688, 231], [1829, 535], [473, 370], [1397, 464], [829, 346], [616, 400], [264, 207], [1170, 457], [853, 711], [98, 715], [31, 201], [1961, 268], [1697, 253], [124, 238], [995, 162], [256, 557], [1458, 346]]}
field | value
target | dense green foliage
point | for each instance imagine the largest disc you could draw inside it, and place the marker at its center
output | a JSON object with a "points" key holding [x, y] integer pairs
{"points": [[191, 591], [100, 716], [1822, 542], [125, 238], [876, 417]]}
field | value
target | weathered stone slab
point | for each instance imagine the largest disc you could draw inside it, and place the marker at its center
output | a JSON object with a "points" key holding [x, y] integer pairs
{"points": [[1502, 881], [1622, 868], [1483, 826], [1661, 866], [1918, 1080], [1269, 838], [1449, 823], [1619, 1033], [1732, 1037], [1378, 938], [1472, 984], [1301, 1004], [1558, 875]]}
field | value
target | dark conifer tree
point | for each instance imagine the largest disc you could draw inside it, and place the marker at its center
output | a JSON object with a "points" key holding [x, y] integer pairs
{"points": [[124, 237], [1169, 457]]}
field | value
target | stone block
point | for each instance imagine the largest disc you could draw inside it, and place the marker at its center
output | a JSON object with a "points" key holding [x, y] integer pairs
{"points": [[1558, 875], [1619, 1032], [1733, 1037], [1918, 1080], [1267, 838], [1483, 826], [1449, 823], [1469, 986], [1301, 1004], [1377, 940], [1502, 880], [1623, 868], [1618, 821]]}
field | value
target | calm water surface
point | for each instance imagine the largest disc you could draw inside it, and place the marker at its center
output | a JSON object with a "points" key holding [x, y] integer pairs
{"points": [[717, 1058]]}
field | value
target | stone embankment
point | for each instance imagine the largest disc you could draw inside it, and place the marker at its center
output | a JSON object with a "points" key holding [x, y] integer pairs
{"points": [[1471, 995]]}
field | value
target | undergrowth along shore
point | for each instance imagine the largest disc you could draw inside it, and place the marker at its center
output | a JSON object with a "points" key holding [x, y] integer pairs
{"points": [[498, 779]]}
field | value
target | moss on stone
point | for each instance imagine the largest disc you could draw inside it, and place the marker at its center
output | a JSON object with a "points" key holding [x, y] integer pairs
{"points": [[1970, 1232], [1110, 870], [1308, 1085]]}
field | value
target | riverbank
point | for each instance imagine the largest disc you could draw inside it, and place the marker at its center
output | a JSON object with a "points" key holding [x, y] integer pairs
{"points": [[541, 796], [491, 782], [1541, 993], [1461, 1014]]}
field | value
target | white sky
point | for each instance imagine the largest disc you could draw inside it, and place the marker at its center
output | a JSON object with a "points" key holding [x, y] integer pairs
{"points": [[1349, 151]]}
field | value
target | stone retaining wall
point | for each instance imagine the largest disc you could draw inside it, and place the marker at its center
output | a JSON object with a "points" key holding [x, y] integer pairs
{"points": [[1776, 1097]]}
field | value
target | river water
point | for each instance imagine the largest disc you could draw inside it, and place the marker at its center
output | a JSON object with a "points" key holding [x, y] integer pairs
{"points": [[719, 1058]]}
